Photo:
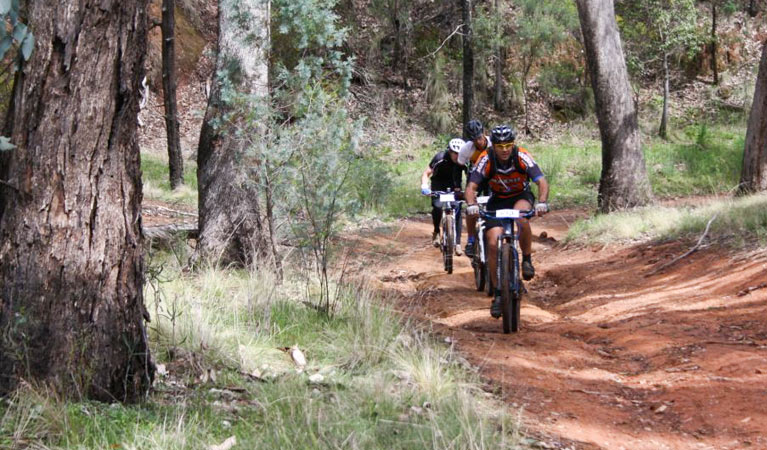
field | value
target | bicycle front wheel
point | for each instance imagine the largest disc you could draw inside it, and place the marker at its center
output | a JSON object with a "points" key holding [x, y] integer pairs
{"points": [[505, 282], [448, 246]]}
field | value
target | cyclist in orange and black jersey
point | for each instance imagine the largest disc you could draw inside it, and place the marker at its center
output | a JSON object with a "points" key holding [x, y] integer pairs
{"points": [[507, 170], [470, 152]]}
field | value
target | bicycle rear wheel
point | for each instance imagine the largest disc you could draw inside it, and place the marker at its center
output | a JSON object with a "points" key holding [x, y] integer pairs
{"points": [[505, 282], [448, 246]]}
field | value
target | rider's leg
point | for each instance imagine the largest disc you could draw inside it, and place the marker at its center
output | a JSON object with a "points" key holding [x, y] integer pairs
{"points": [[436, 218], [491, 241], [471, 226], [526, 241], [526, 233]]}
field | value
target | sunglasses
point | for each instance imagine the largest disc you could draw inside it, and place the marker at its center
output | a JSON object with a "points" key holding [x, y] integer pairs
{"points": [[504, 146]]}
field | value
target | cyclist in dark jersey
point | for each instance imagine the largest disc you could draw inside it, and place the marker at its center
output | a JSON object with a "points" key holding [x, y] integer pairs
{"points": [[444, 174], [509, 183]]}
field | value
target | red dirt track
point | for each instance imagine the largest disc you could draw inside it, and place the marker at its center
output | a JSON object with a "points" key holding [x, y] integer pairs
{"points": [[607, 357]]}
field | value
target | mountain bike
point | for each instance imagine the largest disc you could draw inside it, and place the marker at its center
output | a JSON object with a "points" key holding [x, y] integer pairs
{"points": [[448, 203], [507, 267]]}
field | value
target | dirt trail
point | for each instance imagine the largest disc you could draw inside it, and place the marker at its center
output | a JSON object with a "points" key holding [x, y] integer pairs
{"points": [[607, 357]]}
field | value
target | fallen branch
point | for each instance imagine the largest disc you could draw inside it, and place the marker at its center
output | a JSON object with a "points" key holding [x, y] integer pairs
{"points": [[165, 235], [172, 211], [689, 252], [752, 289]]}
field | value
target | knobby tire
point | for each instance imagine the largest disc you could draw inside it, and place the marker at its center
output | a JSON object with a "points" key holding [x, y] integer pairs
{"points": [[449, 245], [505, 282]]}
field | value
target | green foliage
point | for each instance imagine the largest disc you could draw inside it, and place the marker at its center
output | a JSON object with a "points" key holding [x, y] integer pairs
{"points": [[653, 28], [541, 26], [14, 31]]}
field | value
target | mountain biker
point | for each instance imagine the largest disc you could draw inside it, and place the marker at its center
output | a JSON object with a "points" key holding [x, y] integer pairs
{"points": [[445, 175], [507, 169], [470, 152]]}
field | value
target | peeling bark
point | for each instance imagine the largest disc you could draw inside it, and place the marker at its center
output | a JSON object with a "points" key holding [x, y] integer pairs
{"points": [[71, 264]]}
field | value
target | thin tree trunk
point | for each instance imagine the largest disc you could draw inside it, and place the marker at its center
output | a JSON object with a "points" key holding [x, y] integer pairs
{"points": [[468, 64], [753, 177], [498, 90], [714, 46], [753, 10], [663, 131], [71, 264], [231, 230], [175, 160], [624, 181], [525, 74], [397, 36]]}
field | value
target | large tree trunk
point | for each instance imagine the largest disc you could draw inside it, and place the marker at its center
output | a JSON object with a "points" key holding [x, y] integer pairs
{"points": [[624, 181], [753, 177], [71, 265], [230, 221], [663, 130], [175, 160], [468, 63]]}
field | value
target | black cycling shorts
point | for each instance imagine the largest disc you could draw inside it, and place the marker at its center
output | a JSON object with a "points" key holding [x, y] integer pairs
{"points": [[496, 203]]}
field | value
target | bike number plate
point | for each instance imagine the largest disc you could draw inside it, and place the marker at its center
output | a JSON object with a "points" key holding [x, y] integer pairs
{"points": [[507, 214], [447, 197], [482, 200]]}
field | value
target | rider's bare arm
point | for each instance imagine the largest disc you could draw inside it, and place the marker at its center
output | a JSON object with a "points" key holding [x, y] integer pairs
{"points": [[543, 190], [425, 177]]}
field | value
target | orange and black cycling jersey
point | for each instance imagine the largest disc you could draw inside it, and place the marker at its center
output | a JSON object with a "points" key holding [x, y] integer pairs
{"points": [[509, 179], [478, 152]]}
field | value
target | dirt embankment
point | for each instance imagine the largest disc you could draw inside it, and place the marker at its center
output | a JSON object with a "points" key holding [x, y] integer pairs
{"points": [[607, 357]]}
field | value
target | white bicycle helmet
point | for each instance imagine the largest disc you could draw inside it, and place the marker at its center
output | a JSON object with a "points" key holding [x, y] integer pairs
{"points": [[455, 145]]}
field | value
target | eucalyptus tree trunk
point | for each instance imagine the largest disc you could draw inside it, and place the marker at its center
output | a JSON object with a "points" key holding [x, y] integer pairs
{"points": [[468, 63], [663, 130], [753, 177], [231, 230], [71, 265], [624, 181], [175, 159]]}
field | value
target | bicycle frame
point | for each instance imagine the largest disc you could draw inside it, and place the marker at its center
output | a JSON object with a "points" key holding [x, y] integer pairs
{"points": [[510, 234], [448, 208]]}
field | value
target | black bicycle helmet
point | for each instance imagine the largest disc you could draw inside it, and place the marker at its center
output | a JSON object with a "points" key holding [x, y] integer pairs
{"points": [[502, 134], [473, 129]]}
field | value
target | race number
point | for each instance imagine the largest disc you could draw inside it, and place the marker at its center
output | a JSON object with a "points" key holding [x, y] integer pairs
{"points": [[507, 214], [482, 200], [447, 198]]}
